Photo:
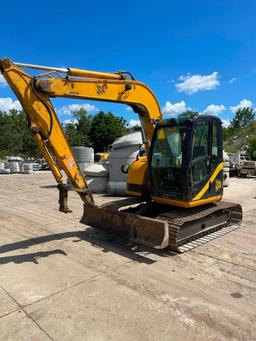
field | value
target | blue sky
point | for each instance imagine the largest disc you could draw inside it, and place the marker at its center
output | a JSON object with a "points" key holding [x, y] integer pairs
{"points": [[193, 54]]}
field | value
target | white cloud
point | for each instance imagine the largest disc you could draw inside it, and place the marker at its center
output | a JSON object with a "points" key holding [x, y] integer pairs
{"points": [[245, 103], [172, 109], [225, 123], [213, 109], [192, 84], [69, 109], [7, 104], [129, 108], [69, 121], [134, 123], [3, 82], [232, 80]]}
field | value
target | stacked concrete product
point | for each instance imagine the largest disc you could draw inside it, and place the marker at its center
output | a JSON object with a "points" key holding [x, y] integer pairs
{"points": [[35, 166], [14, 166], [3, 169], [22, 167], [97, 178], [124, 151], [27, 168], [226, 169], [84, 156]]}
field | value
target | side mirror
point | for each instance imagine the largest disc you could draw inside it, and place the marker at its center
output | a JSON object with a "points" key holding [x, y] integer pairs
{"points": [[125, 168]]}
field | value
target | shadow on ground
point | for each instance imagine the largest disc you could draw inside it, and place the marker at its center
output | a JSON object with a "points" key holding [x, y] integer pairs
{"points": [[103, 241], [30, 257], [49, 186]]}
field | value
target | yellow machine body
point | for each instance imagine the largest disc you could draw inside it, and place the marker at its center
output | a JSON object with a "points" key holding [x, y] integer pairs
{"points": [[150, 223]]}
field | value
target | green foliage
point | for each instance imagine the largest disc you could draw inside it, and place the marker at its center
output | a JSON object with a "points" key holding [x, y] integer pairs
{"points": [[98, 131], [251, 141], [226, 133], [243, 117], [231, 149], [190, 113], [86, 130], [105, 129], [79, 130], [14, 136], [242, 124]]}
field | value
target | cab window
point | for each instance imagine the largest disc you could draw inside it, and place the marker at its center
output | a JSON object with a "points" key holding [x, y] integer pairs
{"points": [[167, 150], [200, 157], [215, 143]]}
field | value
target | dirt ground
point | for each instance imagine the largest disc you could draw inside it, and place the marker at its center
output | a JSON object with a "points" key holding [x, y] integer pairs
{"points": [[61, 280]]}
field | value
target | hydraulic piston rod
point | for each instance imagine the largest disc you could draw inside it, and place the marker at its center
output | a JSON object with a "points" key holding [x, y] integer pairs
{"points": [[41, 67], [72, 71]]}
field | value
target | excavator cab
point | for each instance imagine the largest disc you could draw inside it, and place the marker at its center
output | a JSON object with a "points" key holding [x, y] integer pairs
{"points": [[185, 161]]}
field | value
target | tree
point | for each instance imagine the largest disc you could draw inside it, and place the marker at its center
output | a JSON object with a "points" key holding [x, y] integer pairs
{"points": [[14, 135], [189, 113], [85, 130], [231, 149], [243, 117], [105, 129], [252, 146], [98, 131], [226, 133], [78, 131]]}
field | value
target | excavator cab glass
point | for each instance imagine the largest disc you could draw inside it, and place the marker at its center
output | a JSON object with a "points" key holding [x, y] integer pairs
{"points": [[185, 155], [168, 159]]}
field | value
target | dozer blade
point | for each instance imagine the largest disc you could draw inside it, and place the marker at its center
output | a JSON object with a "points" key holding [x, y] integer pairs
{"points": [[143, 230]]}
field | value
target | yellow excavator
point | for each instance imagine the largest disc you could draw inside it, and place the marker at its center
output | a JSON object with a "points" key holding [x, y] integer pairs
{"points": [[174, 191]]}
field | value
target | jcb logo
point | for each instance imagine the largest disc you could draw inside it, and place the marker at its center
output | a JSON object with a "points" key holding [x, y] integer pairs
{"points": [[101, 89], [218, 185]]}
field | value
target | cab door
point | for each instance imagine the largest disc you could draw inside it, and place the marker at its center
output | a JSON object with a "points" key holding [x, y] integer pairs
{"points": [[216, 179], [206, 157]]}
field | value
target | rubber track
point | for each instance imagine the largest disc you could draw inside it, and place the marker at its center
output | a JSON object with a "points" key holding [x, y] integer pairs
{"points": [[179, 217]]}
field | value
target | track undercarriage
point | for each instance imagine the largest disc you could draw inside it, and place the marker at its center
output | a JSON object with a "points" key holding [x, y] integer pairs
{"points": [[161, 226]]}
